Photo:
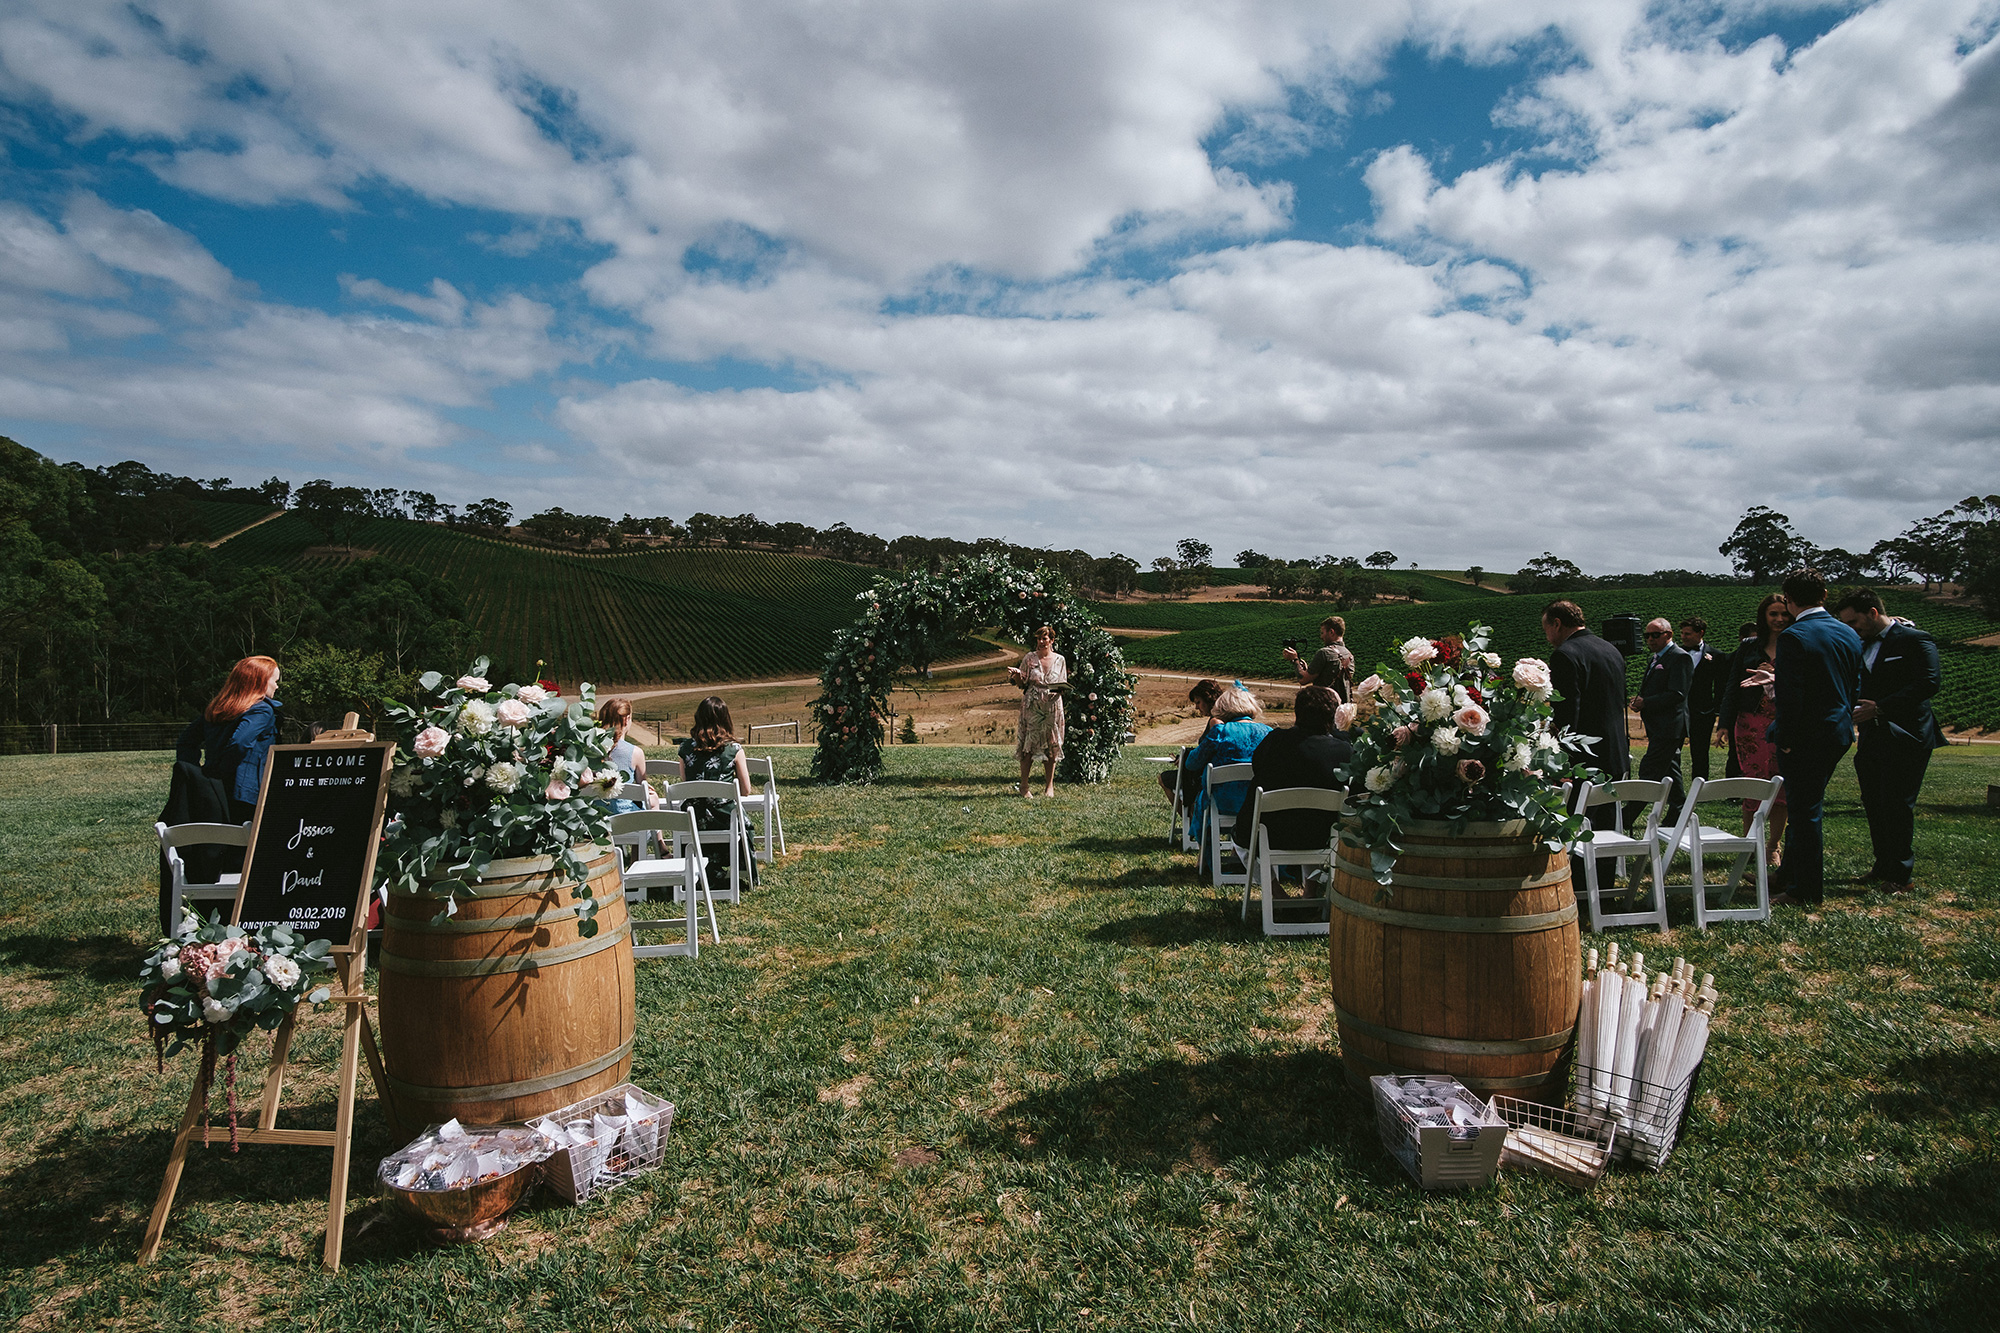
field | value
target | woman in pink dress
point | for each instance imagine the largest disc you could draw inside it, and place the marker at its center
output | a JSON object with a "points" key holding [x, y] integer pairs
{"points": [[1748, 710]]}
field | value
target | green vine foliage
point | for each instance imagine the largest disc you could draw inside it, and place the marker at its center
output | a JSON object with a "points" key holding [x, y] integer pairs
{"points": [[907, 621]]}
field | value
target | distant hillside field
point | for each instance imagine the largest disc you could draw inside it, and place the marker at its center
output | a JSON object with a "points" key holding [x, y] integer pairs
{"points": [[645, 616], [219, 518], [1970, 697], [1214, 615]]}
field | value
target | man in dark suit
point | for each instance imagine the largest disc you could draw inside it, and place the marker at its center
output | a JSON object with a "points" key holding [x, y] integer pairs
{"points": [[1589, 679], [1704, 693], [1818, 677], [1662, 704], [1894, 730]]}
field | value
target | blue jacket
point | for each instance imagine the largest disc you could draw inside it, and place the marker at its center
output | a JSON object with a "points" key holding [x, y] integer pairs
{"points": [[1233, 741], [1818, 681], [235, 749]]}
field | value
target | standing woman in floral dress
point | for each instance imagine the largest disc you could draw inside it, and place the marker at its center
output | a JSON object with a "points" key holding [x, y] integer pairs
{"points": [[1748, 711], [1040, 733]]}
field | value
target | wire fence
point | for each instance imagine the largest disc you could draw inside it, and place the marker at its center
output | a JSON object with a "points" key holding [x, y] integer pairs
{"points": [[86, 737]]}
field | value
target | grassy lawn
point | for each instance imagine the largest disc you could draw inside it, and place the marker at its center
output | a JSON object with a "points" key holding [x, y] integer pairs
{"points": [[971, 1062]]}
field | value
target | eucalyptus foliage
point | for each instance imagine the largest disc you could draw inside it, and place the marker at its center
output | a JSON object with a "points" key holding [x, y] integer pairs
{"points": [[908, 621]]}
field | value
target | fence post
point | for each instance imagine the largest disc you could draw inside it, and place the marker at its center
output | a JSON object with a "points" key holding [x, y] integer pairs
{"points": [[52, 737]]}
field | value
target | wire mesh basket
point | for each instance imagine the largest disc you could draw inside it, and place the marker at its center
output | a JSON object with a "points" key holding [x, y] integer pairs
{"points": [[606, 1143], [1553, 1141], [1413, 1114], [1649, 1117]]}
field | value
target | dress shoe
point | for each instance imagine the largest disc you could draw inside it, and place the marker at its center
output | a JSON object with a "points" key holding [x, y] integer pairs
{"points": [[1788, 900], [1890, 886], [1872, 877]]}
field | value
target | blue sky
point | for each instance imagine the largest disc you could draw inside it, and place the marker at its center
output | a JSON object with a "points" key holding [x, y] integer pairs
{"points": [[1076, 274]]}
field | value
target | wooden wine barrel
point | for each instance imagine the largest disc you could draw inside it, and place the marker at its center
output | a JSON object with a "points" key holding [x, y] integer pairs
{"points": [[503, 1011], [1465, 964]]}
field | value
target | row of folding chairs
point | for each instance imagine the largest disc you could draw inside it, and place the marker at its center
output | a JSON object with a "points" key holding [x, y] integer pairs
{"points": [[1245, 838], [1657, 843]]}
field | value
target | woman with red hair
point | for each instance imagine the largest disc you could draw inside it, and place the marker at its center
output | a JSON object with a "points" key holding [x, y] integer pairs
{"points": [[231, 737]]}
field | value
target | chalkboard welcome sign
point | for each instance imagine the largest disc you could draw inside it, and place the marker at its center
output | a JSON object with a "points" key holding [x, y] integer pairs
{"points": [[312, 847]]}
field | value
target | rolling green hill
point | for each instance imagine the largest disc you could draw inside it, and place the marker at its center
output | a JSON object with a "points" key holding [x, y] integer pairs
{"points": [[219, 518], [1970, 697], [629, 617]]}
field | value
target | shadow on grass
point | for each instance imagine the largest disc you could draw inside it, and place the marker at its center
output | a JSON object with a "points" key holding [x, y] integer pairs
{"points": [[1214, 919], [1120, 846], [1944, 1084], [1967, 1196], [104, 959], [1172, 1116], [1945, 1296]]}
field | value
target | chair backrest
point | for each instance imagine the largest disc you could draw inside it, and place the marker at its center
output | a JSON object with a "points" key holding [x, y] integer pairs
{"points": [[1617, 794], [700, 790], [188, 835], [1736, 789], [634, 791], [1299, 798], [1219, 775], [670, 769], [632, 827], [762, 773]]}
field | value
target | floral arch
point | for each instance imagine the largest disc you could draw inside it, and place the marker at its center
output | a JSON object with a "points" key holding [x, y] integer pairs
{"points": [[909, 620]]}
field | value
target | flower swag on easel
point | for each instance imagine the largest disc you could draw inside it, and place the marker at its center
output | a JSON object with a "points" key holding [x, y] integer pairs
{"points": [[908, 621]]}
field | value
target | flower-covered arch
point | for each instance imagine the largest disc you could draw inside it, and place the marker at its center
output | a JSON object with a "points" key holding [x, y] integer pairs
{"points": [[908, 621]]}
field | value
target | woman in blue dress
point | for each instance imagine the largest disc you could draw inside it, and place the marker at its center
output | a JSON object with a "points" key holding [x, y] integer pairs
{"points": [[1232, 738], [615, 716]]}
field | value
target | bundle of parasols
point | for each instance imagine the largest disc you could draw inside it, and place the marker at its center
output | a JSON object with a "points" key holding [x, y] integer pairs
{"points": [[1638, 1045]]}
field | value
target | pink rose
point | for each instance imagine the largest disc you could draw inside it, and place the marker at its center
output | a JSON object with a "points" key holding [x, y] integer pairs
{"points": [[1531, 673], [474, 684], [533, 695], [512, 713], [1367, 689], [557, 790], [1470, 771], [1343, 716], [430, 742], [1471, 720], [1404, 734]]}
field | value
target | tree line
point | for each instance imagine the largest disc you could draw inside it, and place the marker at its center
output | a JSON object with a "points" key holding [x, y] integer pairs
{"points": [[104, 616], [1960, 545]]}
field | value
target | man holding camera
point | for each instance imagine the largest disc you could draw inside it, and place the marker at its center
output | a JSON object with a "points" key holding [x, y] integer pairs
{"points": [[1332, 666]]}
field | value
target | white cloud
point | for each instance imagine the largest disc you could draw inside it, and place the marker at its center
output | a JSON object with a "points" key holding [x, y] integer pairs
{"points": [[1769, 276]]}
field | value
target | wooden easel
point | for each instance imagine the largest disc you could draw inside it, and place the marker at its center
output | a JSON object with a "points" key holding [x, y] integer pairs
{"points": [[357, 1036]]}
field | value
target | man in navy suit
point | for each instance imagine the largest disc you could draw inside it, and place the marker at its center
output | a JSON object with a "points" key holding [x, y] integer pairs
{"points": [[1818, 674], [1704, 693], [1895, 731], [1662, 704]]}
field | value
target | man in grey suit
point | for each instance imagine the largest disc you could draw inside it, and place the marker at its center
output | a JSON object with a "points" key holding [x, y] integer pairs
{"points": [[1662, 704]]}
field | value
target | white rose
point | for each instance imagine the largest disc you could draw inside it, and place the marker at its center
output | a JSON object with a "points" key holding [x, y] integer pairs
{"points": [[1418, 651], [1434, 706], [282, 972], [215, 1011], [1343, 717], [476, 718], [403, 781], [1519, 757], [1531, 673], [474, 684], [1445, 740], [512, 713], [448, 817], [1491, 661], [503, 777], [170, 967], [533, 695], [1380, 779], [1368, 689]]}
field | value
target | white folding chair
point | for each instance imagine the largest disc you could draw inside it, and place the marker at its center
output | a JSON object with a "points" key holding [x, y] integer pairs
{"points": [[670, 769], [1263, 859], [1698, 840], [736, 836], [683, 875], [172, 839], [1615, 844], [1221, 825], [1180, 823], [763, 803]]}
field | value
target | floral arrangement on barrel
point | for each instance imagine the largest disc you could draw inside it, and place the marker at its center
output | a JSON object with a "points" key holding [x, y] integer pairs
{"points": [[1452, 737], [213, 985], [482, 773]]}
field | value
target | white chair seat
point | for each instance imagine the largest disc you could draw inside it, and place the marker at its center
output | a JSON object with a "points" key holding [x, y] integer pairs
{"points": [[179, 891], [683, 877]]}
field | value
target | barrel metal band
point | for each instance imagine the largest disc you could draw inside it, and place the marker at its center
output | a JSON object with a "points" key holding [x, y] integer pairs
{"points": [[1494, 885], [470, 925], [493, 1092], [1455, 851], [500, 963], [1477, 1082], [1419, 1041], [1458, 925]]}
